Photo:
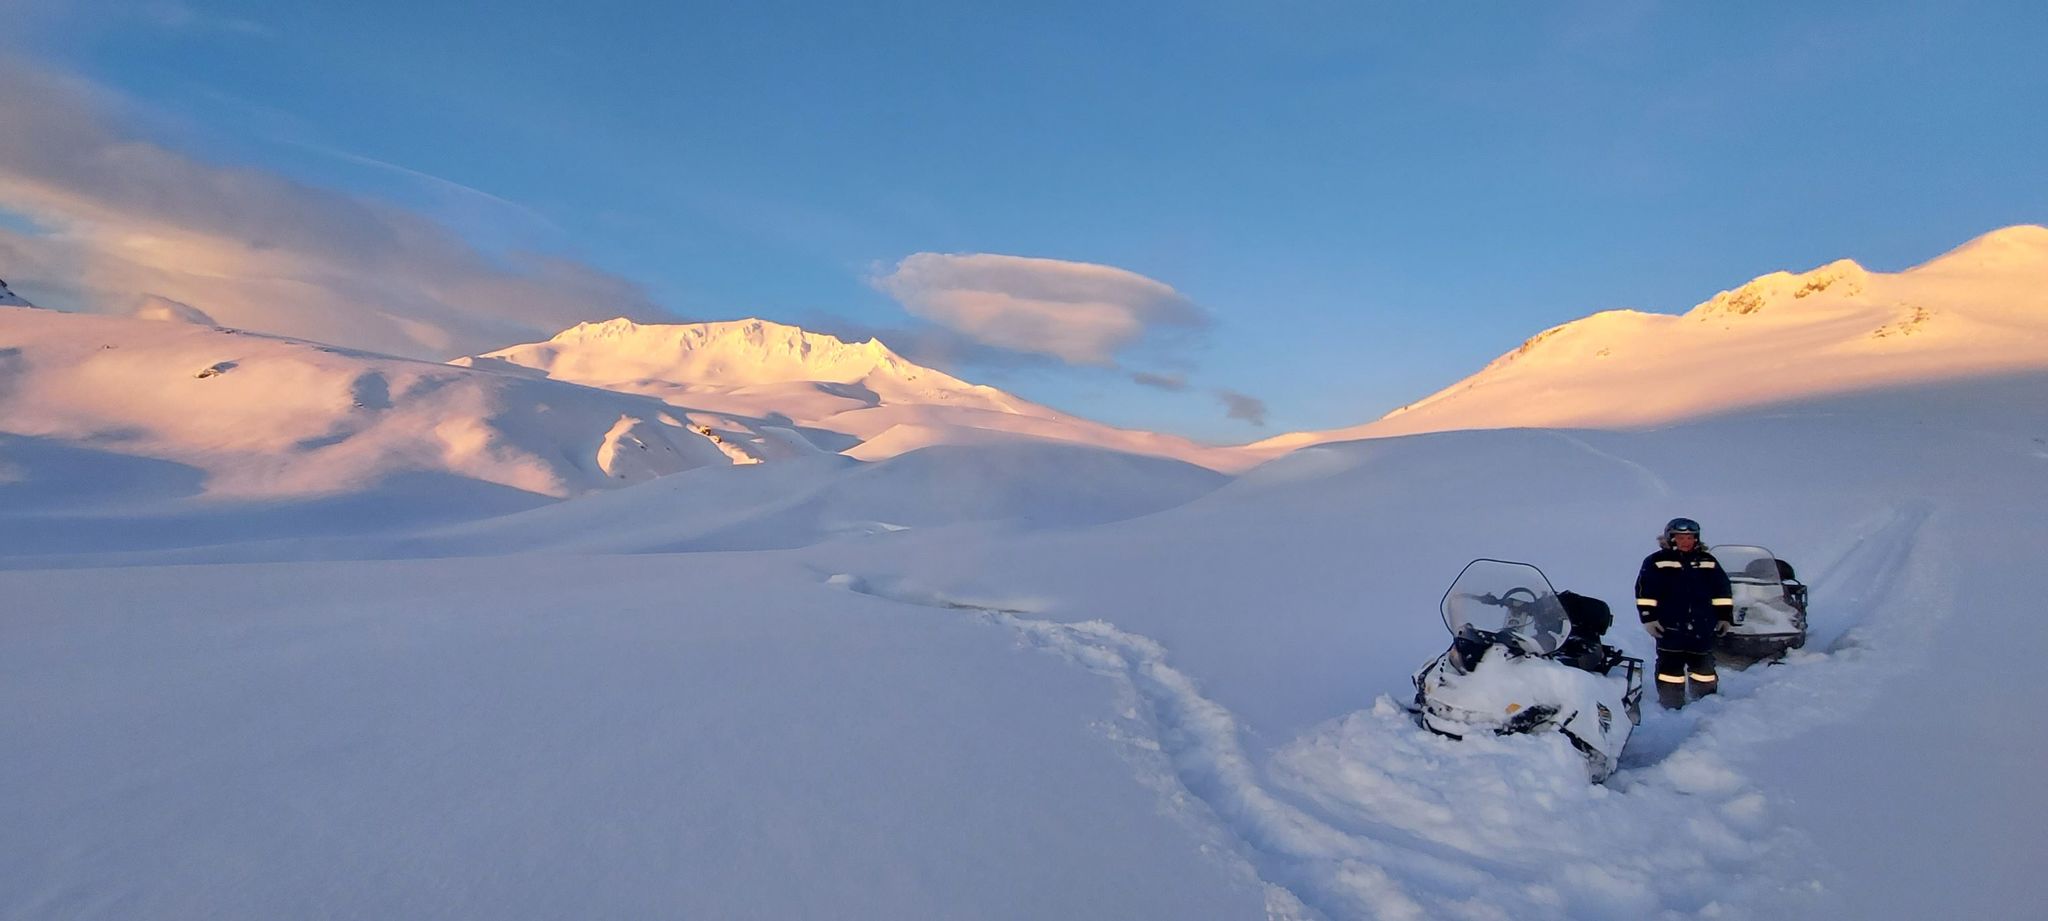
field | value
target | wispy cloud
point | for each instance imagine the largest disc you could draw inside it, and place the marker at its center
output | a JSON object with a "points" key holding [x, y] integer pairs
{"points": [[122, 217], [1078, 312], [1243, 406], [178, 15], [449, 187], [1168, 382]]}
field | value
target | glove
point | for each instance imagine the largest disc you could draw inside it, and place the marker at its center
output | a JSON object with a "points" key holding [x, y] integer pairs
{"points": [[1721, 628], [1655, 629]]}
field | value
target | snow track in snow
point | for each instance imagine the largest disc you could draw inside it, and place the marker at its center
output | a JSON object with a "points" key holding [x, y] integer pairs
{"points": [[1647, 475], [1371, 817], [1368, 816]]}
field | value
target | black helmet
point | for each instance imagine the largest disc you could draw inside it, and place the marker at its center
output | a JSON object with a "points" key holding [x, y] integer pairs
{"points": [[1677, 526]]}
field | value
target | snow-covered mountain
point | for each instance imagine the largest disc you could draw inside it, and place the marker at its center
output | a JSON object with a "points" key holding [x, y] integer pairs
{"points": [[11, 299], [1189, 714], [1981, 309], [858, 398], [231, 415], [601, 405], [122, 433], [1174, 695]]}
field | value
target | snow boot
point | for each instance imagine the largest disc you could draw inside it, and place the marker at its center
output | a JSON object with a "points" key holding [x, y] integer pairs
{"points": [[1670, 694]]}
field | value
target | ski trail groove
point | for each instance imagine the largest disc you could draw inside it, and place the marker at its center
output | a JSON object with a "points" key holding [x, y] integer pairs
{"points": [[1368, 816], [1648, 476], [1319, 870]]}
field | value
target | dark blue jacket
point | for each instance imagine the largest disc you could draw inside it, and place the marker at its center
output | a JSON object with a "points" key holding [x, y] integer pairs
{"points": [[1688, 595]]}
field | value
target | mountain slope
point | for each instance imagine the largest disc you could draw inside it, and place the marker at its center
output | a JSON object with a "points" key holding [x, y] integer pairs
{"points": [[251, 417], [11, 299], [1978, 310], [842, 394], [1187, 714]]}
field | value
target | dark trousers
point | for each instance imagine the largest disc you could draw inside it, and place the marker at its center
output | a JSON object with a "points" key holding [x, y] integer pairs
{"points": [[1676, 669]]}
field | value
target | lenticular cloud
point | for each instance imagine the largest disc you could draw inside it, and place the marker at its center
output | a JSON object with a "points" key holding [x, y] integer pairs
{"points": [[118, 217], [1078, 312]]}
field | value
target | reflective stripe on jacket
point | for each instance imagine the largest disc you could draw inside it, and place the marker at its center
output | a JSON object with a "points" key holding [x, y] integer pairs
{"points": [[1687, 594]]}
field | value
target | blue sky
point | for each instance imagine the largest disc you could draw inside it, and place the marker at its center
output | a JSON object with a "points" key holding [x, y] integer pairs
{"points": [[1353, 204]]}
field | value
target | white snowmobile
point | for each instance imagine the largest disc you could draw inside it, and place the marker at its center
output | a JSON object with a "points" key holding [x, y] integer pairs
{"points": [[1518, 663], [1770, 606]]}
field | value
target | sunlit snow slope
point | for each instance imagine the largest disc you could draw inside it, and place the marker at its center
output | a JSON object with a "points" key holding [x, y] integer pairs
{"points": [[1265, 633], [10, 299], [1187, 713], [235, 416], [1980, 309], [1012, 679], [858, 397]]}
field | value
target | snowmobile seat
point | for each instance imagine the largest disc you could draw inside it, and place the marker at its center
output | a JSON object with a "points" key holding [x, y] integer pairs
{"points": [[1765, 570], [1590, 617]]}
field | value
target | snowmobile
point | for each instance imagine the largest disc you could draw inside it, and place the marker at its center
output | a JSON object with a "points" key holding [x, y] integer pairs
{"points": [[1770, 607], [1518, 663]]}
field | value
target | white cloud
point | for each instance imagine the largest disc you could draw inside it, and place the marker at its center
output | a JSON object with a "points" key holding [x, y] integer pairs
{"points": [[120, 217], [1079, 312]]}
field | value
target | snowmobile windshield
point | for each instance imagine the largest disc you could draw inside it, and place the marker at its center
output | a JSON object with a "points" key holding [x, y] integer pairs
{"points": [[1748, 565], [1763, 605], [1508, 598]]}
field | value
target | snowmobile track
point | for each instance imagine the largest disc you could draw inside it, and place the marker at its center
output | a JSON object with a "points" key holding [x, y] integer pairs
{"points": [[1369, 816]]}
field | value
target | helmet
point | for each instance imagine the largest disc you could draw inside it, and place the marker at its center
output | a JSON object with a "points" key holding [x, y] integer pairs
{"points": [[1677, 526]]}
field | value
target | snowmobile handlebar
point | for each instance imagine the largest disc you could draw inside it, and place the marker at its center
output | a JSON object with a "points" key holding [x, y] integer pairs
{"points": [[1507, 600]]}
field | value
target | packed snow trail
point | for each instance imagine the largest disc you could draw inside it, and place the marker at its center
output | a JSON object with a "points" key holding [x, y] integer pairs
{"points": [[557, 737], [1405, 822], [1648, 476], [1368, 816]]}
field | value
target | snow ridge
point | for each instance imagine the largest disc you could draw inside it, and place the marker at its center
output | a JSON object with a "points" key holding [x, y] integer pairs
{"points": [[1979, 310], [1843, 277], [761, 370], [262, 418], [745, 352], [11, 299]]}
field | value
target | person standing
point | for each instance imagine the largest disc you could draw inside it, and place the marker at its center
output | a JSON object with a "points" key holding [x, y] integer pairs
{"points": [[1685, 601]]}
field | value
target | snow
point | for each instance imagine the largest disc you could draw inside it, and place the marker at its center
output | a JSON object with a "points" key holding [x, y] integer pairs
{"points": [[683, 737], [158, 307], [10, 299], [1303, 592], [1503, 685], [874, 399], [254, 417], [1839, 328], [1008, 676]]}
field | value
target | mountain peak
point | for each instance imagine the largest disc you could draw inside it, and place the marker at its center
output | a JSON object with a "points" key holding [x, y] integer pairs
{"points": [[746, 352], [752, 333], [1840, 278], [2019, 247], [11, 299], [752, 374], [1980, 310]]}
